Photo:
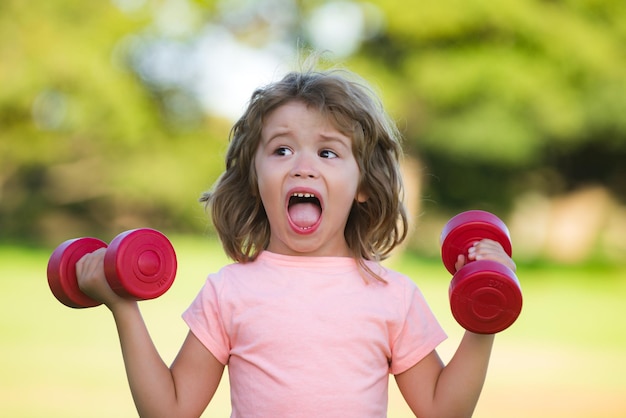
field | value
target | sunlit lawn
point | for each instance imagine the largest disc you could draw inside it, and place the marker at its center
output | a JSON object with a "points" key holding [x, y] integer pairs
{"points": [[564, 357]]}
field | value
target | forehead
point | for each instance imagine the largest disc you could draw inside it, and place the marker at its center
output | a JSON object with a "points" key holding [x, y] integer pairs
{"points": [[290, 109], [299, 114]]}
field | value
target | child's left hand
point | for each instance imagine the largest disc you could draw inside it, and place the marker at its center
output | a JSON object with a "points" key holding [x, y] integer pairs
{"points": [[486, 249]]}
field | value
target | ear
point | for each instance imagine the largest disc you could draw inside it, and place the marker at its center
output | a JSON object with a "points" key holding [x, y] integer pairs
{"points": [[361, 197]]}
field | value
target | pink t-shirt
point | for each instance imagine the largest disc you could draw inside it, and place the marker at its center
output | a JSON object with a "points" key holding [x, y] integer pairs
{"points": [[309, 337]]}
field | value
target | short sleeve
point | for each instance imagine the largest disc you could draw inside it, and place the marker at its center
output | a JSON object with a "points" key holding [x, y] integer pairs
{"points": [[204, 319], [418, 334]]}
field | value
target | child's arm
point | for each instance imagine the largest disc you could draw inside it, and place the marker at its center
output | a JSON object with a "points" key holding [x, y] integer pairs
{"points": [[432, 390], [183, 390]]}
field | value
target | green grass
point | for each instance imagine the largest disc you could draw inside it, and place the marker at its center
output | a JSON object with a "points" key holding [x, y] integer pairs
{"points": [[564, 357]]}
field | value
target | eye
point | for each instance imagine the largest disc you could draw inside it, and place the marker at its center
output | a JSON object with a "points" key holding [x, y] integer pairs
{"points": [[326, 153], [282, 151]]}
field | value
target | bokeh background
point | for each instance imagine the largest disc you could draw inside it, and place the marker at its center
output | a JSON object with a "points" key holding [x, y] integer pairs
{"points": [[115, 115]]}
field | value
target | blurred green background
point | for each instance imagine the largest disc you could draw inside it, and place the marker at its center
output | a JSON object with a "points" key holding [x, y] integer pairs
{"points": [[115, 115]]}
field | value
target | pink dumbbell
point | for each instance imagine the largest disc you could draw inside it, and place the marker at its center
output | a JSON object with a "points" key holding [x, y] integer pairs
{"points": [[138, 264], [485, 296]]}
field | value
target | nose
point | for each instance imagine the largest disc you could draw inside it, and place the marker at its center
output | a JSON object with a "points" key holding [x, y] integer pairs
{"points": [[305, 165]]}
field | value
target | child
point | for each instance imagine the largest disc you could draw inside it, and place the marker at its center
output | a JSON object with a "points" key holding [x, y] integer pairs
{"points": [[307, 320]]}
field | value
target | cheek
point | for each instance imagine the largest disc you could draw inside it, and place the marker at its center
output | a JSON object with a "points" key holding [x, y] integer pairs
{"points": [[256, 174], [267, 187]]}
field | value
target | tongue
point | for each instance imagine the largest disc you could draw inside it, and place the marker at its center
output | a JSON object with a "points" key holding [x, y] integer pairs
{"points": [[304, 215]]}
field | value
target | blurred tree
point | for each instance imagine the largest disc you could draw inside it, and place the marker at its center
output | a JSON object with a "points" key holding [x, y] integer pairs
{"points": [[85, 147], [511, 96]]}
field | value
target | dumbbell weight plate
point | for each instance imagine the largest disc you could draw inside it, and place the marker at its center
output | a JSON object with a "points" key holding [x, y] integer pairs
{"points": [[485, 297], [464, 229], [62, 271], [140, 264]]}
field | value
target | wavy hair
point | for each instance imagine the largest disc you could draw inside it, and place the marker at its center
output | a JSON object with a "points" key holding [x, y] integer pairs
{"points": [[374, 227]]}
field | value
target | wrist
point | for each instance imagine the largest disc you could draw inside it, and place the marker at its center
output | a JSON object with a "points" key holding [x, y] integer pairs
{"points": [[487, 338], [121, 306]]}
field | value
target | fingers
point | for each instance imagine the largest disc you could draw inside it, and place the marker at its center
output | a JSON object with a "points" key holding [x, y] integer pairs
{"points": [[91, 265], [90, 274], [483, 249], [488, 249], [92, 280]]}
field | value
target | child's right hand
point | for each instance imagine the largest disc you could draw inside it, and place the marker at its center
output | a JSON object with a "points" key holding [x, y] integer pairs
{"points": [[92, 281], [486, 249]]}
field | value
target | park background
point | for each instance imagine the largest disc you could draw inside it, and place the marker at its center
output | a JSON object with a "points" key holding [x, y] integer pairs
{"points": [[115, 115]]}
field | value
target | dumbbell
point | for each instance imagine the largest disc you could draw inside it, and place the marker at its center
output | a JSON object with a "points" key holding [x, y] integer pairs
{"points": [[139, 264], [485, 296]]}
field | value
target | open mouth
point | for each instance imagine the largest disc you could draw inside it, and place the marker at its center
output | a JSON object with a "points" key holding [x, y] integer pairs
{"points": [[305, 210]]}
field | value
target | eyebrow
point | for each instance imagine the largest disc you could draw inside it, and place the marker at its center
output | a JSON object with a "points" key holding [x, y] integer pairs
{"points": [[342, 140], [278, 132]]}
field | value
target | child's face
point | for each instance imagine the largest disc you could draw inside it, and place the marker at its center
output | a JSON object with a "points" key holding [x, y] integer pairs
{"points": [[308, 180]]}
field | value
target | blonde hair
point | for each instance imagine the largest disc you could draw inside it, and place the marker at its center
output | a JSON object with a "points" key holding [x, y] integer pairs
{"points": [[375, 226]]}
